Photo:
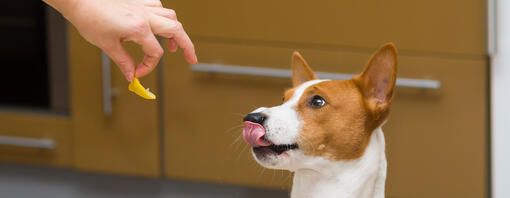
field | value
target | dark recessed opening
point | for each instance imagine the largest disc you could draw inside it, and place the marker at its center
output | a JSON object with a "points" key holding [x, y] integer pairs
{"points": [[33, 55]]}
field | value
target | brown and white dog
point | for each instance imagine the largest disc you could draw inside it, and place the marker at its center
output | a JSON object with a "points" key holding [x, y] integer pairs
{"points": [[328, 132]]}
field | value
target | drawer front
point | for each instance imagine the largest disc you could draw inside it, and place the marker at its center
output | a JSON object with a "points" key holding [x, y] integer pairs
{"points": [[453, 26], [35, 139], [436, 138]]}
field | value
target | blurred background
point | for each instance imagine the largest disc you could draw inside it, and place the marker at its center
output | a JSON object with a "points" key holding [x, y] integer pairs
{"points": [[70, 128]]}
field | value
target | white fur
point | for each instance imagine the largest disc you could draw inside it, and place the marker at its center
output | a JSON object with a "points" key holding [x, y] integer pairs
{"points": [[316, 177], [361, 178]]}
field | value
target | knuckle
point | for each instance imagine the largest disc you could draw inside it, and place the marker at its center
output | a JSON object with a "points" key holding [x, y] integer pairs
{"points": [[149, 65], [137, 26], [177, 26], [169, 15], [142, 26], [122, 62], [171, 12], [158, 53], [155, 53]]}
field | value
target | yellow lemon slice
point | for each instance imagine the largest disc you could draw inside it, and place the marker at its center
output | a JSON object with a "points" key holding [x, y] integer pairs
{"points": [[138, 89]]}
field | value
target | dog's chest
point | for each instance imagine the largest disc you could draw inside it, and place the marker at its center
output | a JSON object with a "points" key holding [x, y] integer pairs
{"points": [[362, 178]]}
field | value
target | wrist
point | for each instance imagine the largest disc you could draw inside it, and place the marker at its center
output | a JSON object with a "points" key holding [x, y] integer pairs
{"points": [[65, 7]]}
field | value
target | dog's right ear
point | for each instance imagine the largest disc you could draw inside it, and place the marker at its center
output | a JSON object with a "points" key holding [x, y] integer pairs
{"points": [[301, 72]]}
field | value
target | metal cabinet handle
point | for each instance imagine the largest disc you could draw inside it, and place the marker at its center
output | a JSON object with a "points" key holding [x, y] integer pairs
{"points": [[285, 73], [27, 142], [107, 84], [492, 36]]}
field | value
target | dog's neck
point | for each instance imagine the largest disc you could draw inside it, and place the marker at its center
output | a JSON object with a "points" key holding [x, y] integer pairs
{"points": [[361, 178]]}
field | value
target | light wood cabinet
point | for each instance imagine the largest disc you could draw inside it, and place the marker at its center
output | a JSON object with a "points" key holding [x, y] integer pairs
{"points": [[125, 142], [436, 139], [35, 138], [434, 27], [437, 142]]}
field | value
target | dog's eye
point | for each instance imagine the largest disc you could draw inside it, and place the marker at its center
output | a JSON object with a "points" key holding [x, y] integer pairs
{"points": [[317, 102], [283, 99]]}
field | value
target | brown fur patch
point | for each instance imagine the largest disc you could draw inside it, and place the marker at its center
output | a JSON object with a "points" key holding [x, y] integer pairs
{"points": [[354, 108], [288, 94], [341, 129]]}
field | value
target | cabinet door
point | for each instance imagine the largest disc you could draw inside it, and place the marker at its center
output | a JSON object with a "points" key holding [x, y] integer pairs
{"points": [[428, 26], [35, 138], [125, 142], [436, 140], [203, 119], [431, 133]]}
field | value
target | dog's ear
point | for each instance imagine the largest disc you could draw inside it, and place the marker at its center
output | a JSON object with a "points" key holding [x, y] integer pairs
{"points": [[301, 72], [378, 80]]}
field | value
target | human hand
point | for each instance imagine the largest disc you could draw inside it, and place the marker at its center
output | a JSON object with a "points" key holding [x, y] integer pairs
{"points": [[108, 23]]}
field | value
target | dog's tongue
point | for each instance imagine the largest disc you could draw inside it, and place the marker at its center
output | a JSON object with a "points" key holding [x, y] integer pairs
{"points": [[252, 134]]}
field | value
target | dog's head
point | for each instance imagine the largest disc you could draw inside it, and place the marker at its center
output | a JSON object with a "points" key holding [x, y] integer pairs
{"points": [[327, 119]]}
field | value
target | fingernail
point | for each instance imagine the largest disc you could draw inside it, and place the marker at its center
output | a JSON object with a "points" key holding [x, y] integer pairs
{"points": [[195, 58], [129, 76]]}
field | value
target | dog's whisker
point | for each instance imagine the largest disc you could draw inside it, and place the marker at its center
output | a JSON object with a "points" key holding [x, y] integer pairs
{"points": [[233, 128], [242, 151], [237, 142], [239, 151], [235, 145], [244, 148], [238, 138]]}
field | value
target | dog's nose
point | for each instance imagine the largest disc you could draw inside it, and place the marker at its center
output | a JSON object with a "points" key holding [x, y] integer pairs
{"points": [[255, 117]]}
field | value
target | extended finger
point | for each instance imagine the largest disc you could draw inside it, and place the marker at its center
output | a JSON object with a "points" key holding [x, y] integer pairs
{"points": [[173, 29], [182, 39], [164, 12]]}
